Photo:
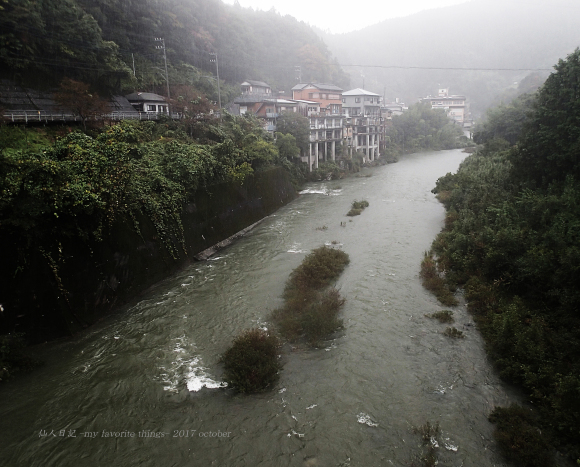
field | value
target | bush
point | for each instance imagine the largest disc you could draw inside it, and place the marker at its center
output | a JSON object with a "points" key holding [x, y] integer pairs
{"points": [[433, 282], [443, 316], [360, 204], [308, 311], [357, 207], [318, 268], [519, 440], [310, 314], [251, 363], [453, 332], [354, 212]]}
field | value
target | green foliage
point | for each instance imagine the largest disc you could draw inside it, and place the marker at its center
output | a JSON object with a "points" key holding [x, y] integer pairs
{"points": [[360, 204], [434, 282], [318, 268], [310, 310], [292, 123], [443, 316], [505, 121], [354, 212], [548, 150], [519, 438], [251, 364], [12, 356], [422, 127], [357, 208], [48, 39], [453, 332], [99, 42], [15, 138], [75, 192], [310, 314], [286, 145], [327, 171]]}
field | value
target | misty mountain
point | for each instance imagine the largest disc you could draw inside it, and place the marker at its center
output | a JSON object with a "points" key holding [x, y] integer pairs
{"points": [[481, 34]]}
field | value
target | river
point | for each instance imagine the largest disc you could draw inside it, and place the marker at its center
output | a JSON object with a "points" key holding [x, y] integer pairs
{"points": [[153, 370]]}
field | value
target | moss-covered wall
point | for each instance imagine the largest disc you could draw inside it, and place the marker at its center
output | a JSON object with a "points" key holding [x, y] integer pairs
{"points": [[100, 277]]}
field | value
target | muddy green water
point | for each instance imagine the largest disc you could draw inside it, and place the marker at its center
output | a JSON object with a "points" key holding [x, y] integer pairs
{"points": [[153, 369]]}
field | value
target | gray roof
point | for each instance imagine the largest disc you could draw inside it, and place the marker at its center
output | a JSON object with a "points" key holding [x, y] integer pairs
{"points": [[256, 83], [252, 98], [121, 104], [144, 97], [321, 86], [359, 92]]}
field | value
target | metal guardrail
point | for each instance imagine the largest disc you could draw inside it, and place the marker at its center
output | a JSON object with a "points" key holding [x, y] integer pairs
{"points": [[41, 116]]}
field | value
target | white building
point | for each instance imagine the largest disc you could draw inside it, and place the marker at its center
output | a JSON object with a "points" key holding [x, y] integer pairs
{"points": [[363, 122], [455, 106]]}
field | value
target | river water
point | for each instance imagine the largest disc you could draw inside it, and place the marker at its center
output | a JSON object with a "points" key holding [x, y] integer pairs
{"points": [[153, 369]]}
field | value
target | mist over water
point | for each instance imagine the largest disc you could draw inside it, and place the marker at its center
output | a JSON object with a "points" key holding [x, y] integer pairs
{"points": [[153, 369]]}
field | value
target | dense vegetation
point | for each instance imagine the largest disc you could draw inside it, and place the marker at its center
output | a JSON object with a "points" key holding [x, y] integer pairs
{"points": [[424, 128], [65, 198], [112, 45], [512, 240]]}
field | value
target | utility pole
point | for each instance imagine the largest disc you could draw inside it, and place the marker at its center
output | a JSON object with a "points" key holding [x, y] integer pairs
{"points": [[298, 72], [217, 69], [162, 47]]}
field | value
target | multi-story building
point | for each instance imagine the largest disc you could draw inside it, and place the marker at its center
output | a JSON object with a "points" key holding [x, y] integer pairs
{"points": [[455, 106], [326, 120], [364, 123]]}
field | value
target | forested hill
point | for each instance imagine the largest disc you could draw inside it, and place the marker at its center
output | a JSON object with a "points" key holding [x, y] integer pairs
{"points": [[98, 41], [480, 34]]}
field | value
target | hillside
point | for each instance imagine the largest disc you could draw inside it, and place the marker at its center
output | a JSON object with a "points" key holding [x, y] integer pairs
{"points": [[488, 34], [112, 44]]}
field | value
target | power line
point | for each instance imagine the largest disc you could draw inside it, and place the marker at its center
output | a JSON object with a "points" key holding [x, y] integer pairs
{"points": [[446, 68]]}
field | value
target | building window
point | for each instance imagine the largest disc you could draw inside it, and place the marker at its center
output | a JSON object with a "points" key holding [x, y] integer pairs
{"points": [[151, 108], [357, 100], [334, 96]]}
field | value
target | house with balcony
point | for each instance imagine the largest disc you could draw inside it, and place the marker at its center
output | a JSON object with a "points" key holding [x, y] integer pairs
{"points": [[363, 122], [322, 104], [454, 106]]}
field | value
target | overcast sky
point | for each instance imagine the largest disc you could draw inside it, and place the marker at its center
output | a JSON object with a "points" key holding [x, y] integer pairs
{"points": [[338, 16]]}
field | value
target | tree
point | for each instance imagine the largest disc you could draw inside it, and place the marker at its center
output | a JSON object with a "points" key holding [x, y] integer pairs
{"points": [[292, 123], [77, 98], [505, 121], [194, 108], [287, 146], [550, 143]]}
